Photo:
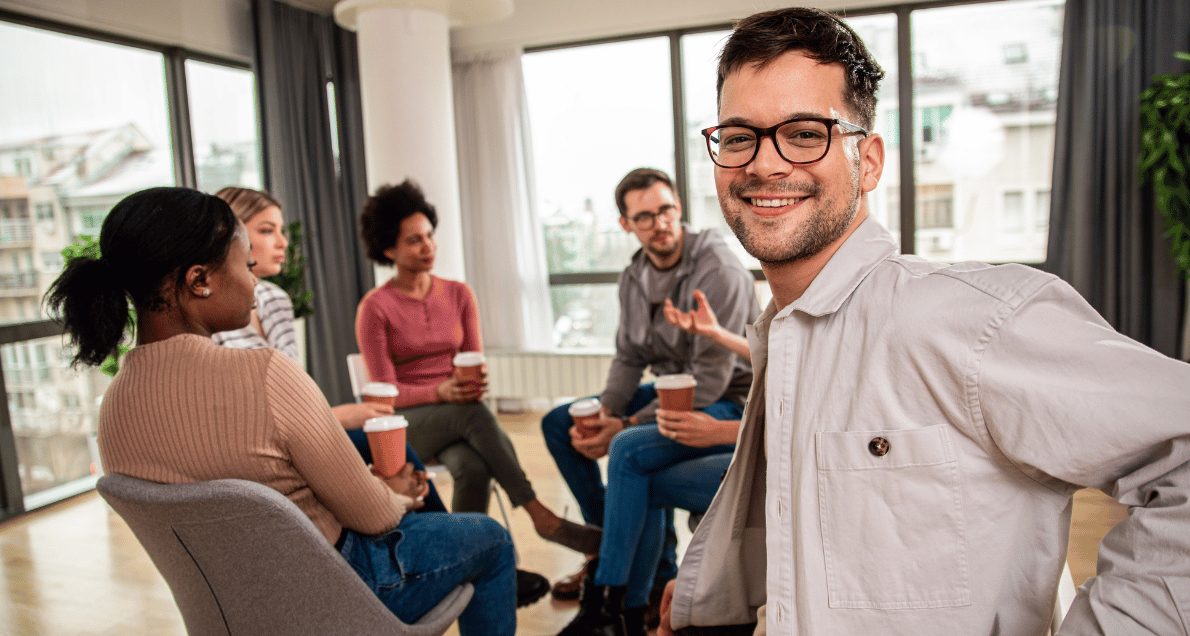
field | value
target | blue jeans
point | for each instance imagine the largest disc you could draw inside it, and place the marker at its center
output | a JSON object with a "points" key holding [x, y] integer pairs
{"points": [[648, 472], [360, 439], [583, 477], [415, 565]]}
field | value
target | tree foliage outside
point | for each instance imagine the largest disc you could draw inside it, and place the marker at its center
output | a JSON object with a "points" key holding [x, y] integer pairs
{"points": [[88, 246]]}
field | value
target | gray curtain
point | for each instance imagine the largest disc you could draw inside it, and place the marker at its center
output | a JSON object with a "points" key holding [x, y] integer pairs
{"points": [[1106, 237], [297, 53]]}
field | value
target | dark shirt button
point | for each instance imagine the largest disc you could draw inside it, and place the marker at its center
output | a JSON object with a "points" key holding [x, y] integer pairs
{"points": [[879, 446]]}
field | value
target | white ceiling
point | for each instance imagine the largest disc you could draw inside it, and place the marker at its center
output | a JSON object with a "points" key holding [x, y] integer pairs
{"points": [[544, 22]]}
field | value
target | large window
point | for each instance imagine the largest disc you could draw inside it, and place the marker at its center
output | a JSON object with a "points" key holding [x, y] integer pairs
{"points": [[597, 112], [85, 122], [983, 87], [223, 124]]}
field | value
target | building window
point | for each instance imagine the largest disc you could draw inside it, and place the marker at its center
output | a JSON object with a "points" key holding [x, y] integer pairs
{"points": [[985, 124], [224, 125], [1013, 216]]}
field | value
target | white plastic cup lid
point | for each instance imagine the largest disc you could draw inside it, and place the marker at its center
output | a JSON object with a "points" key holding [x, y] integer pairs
{"points": [[585, 408], [379, 389], [468, 359], [385, 423], [675, 381]]}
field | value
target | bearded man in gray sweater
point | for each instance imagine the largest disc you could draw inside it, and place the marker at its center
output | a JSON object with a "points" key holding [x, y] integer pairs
{"points": [[673, 262]]}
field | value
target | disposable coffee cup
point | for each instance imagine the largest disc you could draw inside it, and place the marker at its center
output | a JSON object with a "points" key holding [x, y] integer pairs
{"points": [[585, 414], [676, 392], [380, 393], [469, 366], [386, 440]]}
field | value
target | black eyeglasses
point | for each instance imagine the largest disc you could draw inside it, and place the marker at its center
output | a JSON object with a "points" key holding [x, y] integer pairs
{"points": [[798, 140], [646, 220]]}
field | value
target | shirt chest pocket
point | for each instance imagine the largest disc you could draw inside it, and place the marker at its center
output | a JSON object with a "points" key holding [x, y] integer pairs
{"points": [[892, 519]]}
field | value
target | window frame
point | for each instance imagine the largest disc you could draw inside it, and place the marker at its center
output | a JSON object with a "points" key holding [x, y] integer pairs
{"points": [[177, 105], [909, 144]]}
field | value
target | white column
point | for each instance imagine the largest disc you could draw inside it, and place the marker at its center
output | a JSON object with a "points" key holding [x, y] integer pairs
{"points": [[408, 107]]}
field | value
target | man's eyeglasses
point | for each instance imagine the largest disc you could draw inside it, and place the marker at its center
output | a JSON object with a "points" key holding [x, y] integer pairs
{"points": [[646, 220], [798, 140]]}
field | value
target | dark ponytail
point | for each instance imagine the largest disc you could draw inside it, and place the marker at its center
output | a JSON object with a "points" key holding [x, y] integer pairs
{"points": [[148, 239]]}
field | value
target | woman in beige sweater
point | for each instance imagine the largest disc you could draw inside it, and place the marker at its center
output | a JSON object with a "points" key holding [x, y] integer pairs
{"points": [[184, 409]]}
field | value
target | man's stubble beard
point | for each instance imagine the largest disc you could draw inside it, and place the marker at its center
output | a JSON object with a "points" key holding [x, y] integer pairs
{"points": [[764, 239]]}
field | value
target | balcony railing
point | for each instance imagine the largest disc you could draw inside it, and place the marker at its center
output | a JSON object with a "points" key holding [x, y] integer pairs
{"points": [[15, 232]]}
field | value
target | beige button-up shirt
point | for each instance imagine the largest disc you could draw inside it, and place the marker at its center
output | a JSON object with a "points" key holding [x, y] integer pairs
{"points": [[913, 437]]}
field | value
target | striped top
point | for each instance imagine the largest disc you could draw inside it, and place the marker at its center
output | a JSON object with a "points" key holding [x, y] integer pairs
{"points": [[275, 310], [183, 410]]}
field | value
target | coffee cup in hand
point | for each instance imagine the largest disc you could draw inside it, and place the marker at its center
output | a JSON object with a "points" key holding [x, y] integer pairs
{"points": [[676, 392], [585, 414], [386, 440], [380, 393], [468, 366]]}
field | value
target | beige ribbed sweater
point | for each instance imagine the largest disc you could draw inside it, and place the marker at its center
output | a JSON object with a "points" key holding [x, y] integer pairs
{"points": [[185, 409]]}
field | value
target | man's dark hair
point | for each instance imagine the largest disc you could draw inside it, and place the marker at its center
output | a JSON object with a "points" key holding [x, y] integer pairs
{"points": [[380, 222], [824, 38], [639, 179]]}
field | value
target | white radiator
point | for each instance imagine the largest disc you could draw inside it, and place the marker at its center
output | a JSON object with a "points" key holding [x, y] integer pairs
{"points": [[529, 375]]}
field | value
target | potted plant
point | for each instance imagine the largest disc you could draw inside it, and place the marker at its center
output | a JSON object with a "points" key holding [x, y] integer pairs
{"points": [[1165, 156]]}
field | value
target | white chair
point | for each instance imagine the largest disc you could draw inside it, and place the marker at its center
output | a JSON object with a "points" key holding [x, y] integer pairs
{"points": [[358, 372], [1065, 597]]}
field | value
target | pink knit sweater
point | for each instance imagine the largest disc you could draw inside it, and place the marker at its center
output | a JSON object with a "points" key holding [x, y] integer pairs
{"points": [[185, 409], [411, 342]]}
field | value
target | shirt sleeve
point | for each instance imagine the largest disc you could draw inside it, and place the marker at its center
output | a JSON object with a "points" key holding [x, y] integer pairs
{"points": [[469, 312], [1073, 403], [627, 367], [276, 318], [323, 455]]}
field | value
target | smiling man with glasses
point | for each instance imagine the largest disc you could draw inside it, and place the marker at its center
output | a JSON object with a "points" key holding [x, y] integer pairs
{"points": [[674, 260], [916, 430]]}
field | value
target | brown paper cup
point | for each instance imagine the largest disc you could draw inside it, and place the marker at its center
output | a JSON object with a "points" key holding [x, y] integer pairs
{"points": [[380, 393], [585, 413], [676, 392], [386, 440], [468, 366]]}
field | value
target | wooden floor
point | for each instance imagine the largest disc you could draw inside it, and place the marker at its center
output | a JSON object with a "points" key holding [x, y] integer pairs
{"points": [[75, 568]]}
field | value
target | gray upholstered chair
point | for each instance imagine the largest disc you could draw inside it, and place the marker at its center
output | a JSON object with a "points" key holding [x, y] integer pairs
{"points": [[240, 558]]}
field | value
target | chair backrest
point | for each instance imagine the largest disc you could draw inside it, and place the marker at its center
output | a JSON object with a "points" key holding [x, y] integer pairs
{"points": [[358, 372], [240, 558]]}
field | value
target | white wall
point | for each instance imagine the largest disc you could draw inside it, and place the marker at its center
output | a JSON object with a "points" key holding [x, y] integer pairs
{"points": [[216, 27], [544, 22]]}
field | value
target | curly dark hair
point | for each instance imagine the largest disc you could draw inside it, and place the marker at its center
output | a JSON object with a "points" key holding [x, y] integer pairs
{"points": [[380, 222], [762, 38]]}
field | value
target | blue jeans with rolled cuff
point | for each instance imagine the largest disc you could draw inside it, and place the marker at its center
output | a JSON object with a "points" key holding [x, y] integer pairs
{"points": [[583, 478], [415, 565]]}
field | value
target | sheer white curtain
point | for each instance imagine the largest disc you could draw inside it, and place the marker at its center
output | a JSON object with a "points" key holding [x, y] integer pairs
{"points": [[505, 257]]}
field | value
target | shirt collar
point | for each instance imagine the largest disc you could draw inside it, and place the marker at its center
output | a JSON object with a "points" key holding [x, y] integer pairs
{"points": [[867, 247]]}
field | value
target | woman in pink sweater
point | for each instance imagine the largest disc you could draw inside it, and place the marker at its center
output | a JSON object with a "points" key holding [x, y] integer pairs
{"points": [[183, 409], [409, 330]]}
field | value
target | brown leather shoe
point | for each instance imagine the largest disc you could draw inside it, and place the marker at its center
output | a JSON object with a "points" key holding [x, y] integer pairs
{"points": [[580, 538], [567, 588]]}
